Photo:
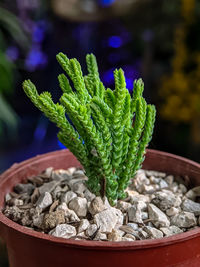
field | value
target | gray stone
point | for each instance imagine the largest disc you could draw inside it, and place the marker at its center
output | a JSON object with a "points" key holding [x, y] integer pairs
{"points": [[193, 193], [48, 187], [91, 230], [48, 172], [78, 177], [140, 180], [106, 203], [191, 206], [24, 188], [123, 206], [100, 236], [154, 180], [169, 179], [56, 193], [81, 236], [133, 225], [84, 224], [141, 176], [64, 231], [96, 206], [171, 230], [157, 187], [44, 201], [79, 188], [7, 197], [132, 193], [184, 219], [172, 211], [147, 189], [141, 205], [62, 206], [115, 235], [135, 198], [79, 205], [107, 220], [56, 176], [129, 229], [149, 224], [165, 199], [134, 214], [71, 170], [163, 184], [182, 188], [153, 232], [73, 181], [119, 215], [128, 237], [79, 174], [67, 197], [174, 187], [71, 216], [88, 195], [158, 218], [141, 234], [155, 173], [66, 174], [145, 215]]}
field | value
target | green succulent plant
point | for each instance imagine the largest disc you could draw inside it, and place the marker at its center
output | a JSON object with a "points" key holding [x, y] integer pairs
{"points": [[108, 130]]}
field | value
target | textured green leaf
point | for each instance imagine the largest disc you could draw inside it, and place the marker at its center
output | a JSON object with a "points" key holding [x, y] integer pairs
{"points": [[109, 130]]}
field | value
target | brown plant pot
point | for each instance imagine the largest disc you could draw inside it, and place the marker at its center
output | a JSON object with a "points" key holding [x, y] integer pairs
{"points": [[27, 248]]}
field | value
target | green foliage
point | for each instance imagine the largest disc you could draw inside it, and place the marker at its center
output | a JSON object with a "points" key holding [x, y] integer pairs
{"points": [[110, 130], [10, 29]]}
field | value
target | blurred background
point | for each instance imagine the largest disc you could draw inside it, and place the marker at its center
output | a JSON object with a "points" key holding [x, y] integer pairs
{"points": [[157, 40]]}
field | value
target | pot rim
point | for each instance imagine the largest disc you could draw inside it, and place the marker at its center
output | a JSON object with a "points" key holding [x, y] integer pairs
{"points": [[85, 244]]}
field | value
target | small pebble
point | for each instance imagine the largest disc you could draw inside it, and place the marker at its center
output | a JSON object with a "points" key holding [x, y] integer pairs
{"points": [[64, 231], [79, 206], [44, 201], [91, 230]]}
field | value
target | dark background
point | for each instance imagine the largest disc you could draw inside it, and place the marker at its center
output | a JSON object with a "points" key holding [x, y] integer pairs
{"points": [[157, 40]]}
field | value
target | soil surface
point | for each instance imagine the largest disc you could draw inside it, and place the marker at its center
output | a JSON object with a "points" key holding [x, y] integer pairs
{"points": [[58, 203]]}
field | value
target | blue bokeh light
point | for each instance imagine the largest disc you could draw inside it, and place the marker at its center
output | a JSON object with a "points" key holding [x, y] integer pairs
{"points": [[115, 41], [129, 83], [35, 58], [108, 77], [40, 132], [12, 53], [106, 3], [39, 29], [131, 73], [38, 34], [61, 145]]}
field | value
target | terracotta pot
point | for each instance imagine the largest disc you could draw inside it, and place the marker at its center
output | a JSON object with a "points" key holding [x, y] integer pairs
{"points": [[27, 248]]}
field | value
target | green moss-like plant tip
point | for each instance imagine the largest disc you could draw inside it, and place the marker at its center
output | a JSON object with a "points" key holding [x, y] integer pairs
{"points": [[110, 130]]}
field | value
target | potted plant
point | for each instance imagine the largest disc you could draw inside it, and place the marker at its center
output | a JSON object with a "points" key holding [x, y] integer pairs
{"points": [[108, 133]]}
